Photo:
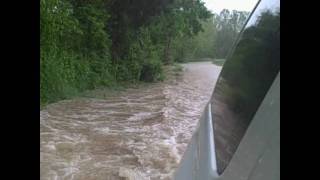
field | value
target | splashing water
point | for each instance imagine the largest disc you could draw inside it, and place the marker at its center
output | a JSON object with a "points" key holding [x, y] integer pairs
{"points": [[140, 133]]}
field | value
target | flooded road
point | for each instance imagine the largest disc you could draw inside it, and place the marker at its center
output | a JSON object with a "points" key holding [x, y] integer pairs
{"points": [[140, 133]]}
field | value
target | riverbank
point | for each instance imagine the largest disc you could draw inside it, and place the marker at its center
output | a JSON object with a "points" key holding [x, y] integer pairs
{"points": [[169, 71], [103, 135]]}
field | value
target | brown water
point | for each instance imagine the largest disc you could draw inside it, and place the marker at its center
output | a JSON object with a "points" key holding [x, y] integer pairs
{"points": [[140, 133]]}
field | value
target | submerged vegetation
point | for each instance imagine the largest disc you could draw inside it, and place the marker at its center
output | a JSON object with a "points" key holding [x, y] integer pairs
{"points": [[87, 45]]}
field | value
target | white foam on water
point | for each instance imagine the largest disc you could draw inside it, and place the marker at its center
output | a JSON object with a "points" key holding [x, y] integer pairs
{"points": [[141, 133], [130, 174]]}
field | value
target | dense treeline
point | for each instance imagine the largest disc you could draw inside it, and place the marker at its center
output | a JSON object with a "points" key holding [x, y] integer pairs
{"points": [[215, 41], [85, 44], [228, 25]]}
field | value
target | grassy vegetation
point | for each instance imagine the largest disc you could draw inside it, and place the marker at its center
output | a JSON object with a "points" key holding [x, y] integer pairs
{"points": [[94, 45], [104, 44], [177, 67]]}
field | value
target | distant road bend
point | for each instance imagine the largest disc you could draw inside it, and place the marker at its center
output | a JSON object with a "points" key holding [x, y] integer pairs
{"points": [[140, 133]]}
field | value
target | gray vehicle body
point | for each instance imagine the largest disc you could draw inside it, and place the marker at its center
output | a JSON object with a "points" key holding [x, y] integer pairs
{"points": [[256, 154], [257, 157]]}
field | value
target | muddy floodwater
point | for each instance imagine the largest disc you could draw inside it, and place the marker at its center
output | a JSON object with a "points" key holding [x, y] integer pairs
{"points": [[139, 133]]}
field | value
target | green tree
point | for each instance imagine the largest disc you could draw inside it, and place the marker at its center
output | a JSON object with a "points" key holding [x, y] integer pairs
{"points": [[179, 20], [85, 44], [228, 25]]}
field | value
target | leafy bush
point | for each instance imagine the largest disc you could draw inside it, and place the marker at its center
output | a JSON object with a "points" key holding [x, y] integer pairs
{"points": [[151, 71], [88, 44], [74, 49]]}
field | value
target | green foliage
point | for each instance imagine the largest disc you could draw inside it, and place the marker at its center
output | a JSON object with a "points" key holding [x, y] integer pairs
{"points": [[142, 61], [177, 67], [74, 49], [213, 40], [87, 44], [196, 47], [228, 25], [151, 71], [178, 24]]}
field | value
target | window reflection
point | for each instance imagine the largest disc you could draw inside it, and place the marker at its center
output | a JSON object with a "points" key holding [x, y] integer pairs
{"points": [[245, 79]]}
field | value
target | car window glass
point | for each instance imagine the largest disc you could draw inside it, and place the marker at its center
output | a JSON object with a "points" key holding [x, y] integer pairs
{"points": [[245, 79]]}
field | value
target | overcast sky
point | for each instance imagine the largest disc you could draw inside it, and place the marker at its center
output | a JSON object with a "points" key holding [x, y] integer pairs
{"points": [[242, 5]]}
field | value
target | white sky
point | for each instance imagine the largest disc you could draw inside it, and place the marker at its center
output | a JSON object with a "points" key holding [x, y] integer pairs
{"points": [[242, 5]]}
